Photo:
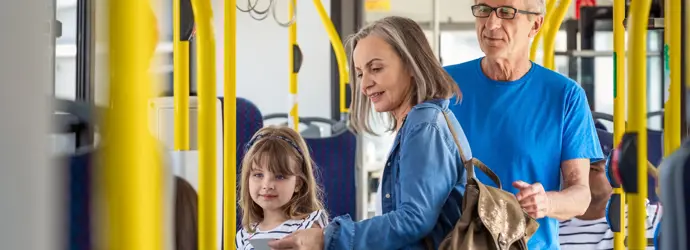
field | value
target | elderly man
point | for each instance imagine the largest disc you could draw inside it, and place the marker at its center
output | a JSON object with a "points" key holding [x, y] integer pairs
{"points": [[530, 125]]}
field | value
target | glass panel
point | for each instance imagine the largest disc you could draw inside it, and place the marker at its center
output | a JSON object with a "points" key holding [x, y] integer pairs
{"points": [[66, 50], [603, 89]]}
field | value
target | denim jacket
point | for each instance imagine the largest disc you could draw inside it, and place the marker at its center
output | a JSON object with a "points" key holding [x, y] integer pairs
{"points": [[422, 187]]}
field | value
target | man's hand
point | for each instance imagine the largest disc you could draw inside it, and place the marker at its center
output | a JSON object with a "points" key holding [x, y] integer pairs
{"points": [[533, 199], [308, 239]]}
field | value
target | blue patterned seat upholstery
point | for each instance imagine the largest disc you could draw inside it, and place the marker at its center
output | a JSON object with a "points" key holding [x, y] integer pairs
{"points": [[78, 189], [335, 160], [655, 153]]}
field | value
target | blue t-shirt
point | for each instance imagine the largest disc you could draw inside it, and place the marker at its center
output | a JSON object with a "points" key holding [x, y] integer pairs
{"points": [[524, 129]]}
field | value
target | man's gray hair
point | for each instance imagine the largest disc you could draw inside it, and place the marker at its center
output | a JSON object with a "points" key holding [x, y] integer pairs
{"points": [[538, 6]]}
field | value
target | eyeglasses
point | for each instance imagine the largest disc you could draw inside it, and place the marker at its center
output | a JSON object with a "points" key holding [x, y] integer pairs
{"points": [[503, 12]]}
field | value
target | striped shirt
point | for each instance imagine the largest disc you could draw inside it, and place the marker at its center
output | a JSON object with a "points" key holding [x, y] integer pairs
{"points": [[288, 227], [595, 234]]}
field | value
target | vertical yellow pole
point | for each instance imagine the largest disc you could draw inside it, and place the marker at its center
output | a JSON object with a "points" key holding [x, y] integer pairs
{"points": [[339, 50], [686, 65], [637, 75], [206, 47], [545, 26], [230, 126], [180, 82], [552, 31], [675, 65], [619, 102], [293, 116], [132, 174], [668, 107]]}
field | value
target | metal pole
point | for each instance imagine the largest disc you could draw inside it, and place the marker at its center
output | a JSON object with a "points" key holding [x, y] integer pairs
{"points": [[293, 114], [230, 126], [206, 48], [545, 26], [619, 106], [637, 110], [339, 51], [180, 81], [675, 66], [552, 31], [132, 175]]}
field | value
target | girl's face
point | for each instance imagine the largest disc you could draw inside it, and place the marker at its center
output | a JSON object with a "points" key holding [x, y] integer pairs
{"points": [[270, 191]]}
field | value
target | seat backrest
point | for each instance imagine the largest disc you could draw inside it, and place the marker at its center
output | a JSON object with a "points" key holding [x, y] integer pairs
{"points": [[655, 153], [335, 159], [249, 121], [78, 189]]}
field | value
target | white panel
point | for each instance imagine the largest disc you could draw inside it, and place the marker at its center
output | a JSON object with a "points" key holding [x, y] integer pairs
{"points": [[32, 204]]}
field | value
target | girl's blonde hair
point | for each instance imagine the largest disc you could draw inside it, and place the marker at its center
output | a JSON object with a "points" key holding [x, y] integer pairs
{"points": [[282, 151], [430, 80]]}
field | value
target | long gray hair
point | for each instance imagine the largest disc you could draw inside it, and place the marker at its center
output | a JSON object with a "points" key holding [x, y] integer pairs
{"points": [[430, 80]]}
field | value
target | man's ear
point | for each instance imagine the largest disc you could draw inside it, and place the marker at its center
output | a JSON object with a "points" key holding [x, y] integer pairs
{"points": [[538, 24]]}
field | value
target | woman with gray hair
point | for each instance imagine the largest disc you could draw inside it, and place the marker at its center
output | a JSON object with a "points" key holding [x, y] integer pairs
{"points": [[395, 72]]}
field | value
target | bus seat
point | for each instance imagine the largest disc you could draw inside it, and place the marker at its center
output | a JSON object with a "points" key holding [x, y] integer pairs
{"points": [[249, 121], [655, 153], [78, 181], [335, 158]]}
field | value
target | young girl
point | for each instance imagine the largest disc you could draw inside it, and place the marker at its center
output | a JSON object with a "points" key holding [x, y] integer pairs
{"points": [[278, 193]]}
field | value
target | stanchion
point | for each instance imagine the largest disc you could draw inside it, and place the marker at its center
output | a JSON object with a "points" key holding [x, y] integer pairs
{"points": [[637, 111], [295, 58], [206, 79], [132, 175], [619, 109], [339, 50], [552, 31], [230, 126]]}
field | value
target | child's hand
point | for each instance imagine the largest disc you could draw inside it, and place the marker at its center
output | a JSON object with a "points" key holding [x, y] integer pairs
{"points": [[308, 239]]}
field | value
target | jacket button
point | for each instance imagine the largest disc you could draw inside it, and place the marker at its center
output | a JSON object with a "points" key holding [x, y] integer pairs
{"points": [[388, 196]]}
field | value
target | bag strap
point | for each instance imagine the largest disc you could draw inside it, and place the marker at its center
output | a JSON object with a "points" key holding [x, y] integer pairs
{"points": [[471, 163]]}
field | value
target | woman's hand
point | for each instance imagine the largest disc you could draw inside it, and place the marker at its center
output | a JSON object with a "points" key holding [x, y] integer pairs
{"points": [[308, 239]]}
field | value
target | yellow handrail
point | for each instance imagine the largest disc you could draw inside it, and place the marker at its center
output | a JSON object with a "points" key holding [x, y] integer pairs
{"points": [[685, 45], [206, 47], [180, 82], [230, 126], [637, 110], [668, 108], [339, 50], [544, 27], [293, 119], [619, 103], [674, 136], [132, 174], [552, 31]]}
